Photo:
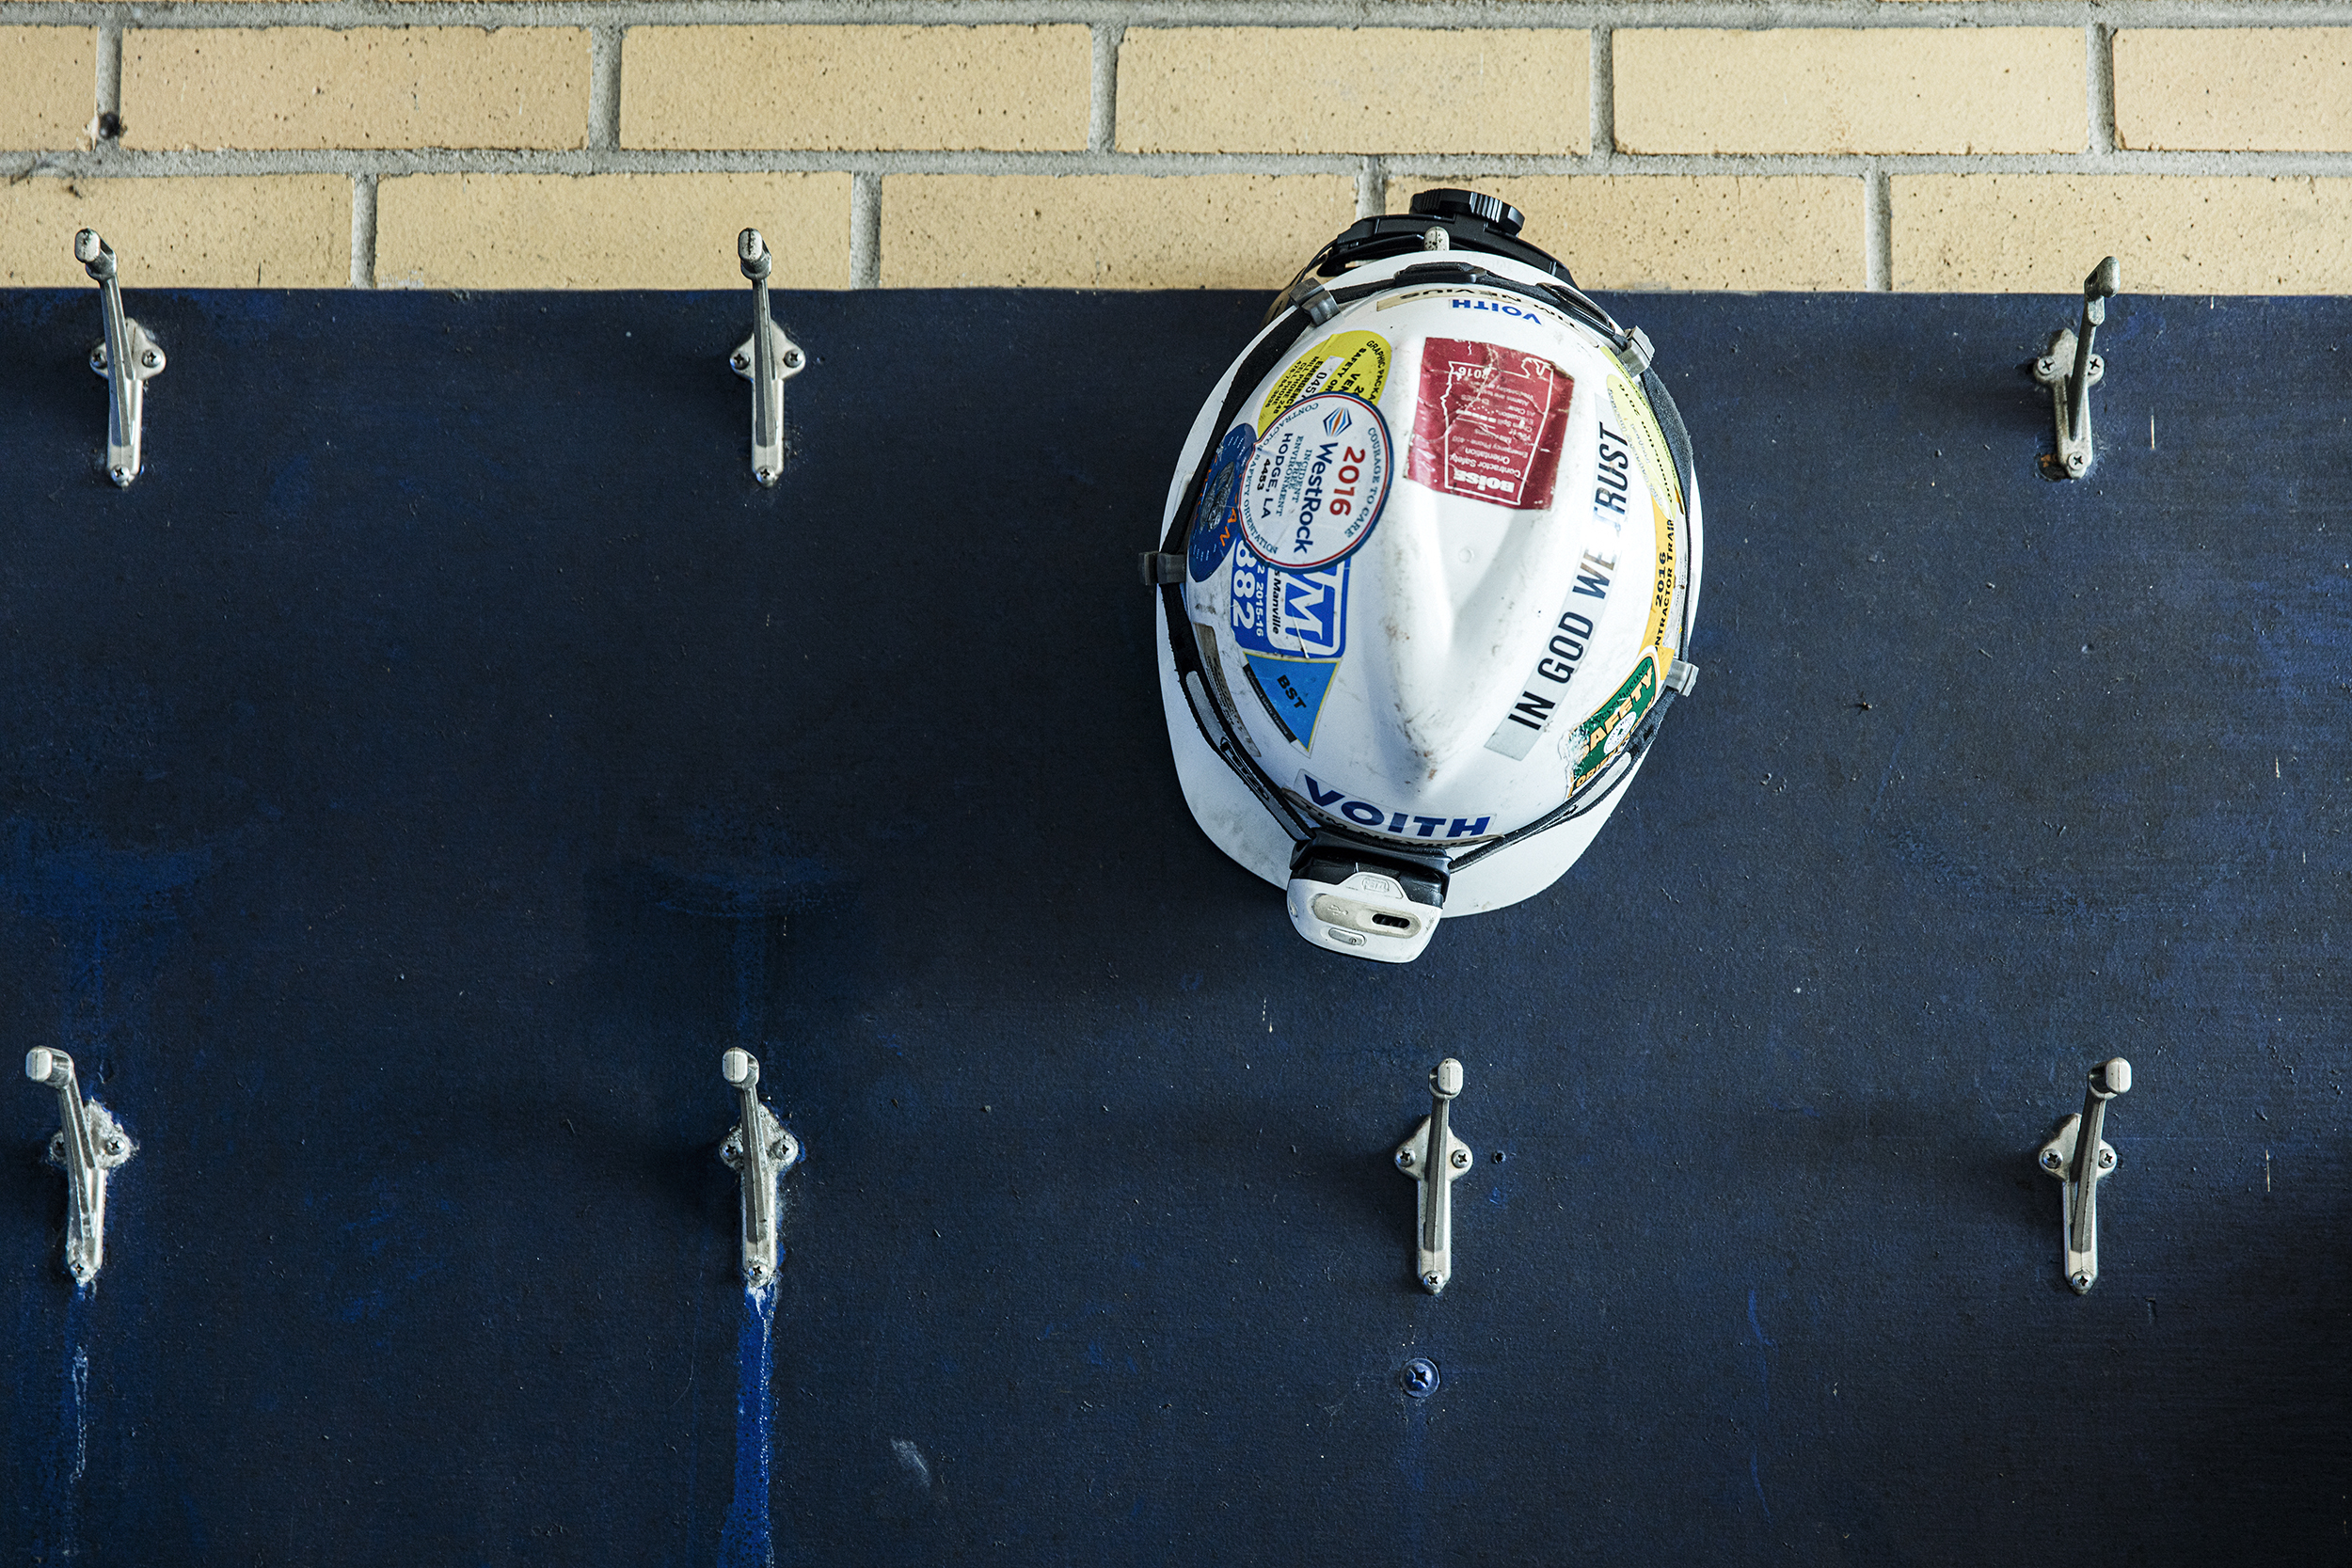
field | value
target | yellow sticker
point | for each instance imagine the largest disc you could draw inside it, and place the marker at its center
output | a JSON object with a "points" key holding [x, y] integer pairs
{"points": [[1354, 362], [1662, 585], [1612, 725], [1647, 441]]}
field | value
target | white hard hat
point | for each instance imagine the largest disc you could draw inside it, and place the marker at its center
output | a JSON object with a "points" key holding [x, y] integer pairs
{"points": [[1429, 564]]}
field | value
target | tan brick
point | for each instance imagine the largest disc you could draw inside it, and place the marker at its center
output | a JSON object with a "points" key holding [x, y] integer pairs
{"points": [[1684, 231], [1840, 89], [48, 85], [608, 231], [1358, 90], [2234, 90], [1106, 230], [241, 232], [867, 88], [303, 87], [2188, 236]]}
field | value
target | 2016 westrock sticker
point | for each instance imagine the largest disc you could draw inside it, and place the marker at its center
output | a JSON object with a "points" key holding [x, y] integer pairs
{"points": [[1364, 815], [1214, 523], [1490, 423], [1316, 483], [1354, 362], [1292, 628]]}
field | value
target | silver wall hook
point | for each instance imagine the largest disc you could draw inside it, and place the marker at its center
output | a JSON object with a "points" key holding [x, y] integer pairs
{"points": [[1436, 1159], [2081, 1159], [2070, 370], [90, 1144], [128, 359], [760, 1151], [767, 360]]}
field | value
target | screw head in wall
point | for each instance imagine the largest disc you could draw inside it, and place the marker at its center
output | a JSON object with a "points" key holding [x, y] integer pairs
{"points": [[1419, 1377]]}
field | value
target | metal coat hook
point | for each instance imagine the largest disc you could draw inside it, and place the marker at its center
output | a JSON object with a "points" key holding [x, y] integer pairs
{"points": [[767, 360], [2081, 1159], [759, 1150], [2070, 370], [1435, 1159], [128, 359], [90, 1144]]}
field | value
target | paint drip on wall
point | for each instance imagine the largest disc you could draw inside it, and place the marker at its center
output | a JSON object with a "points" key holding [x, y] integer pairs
{"points": [[67, 1458], [746, 1540]]}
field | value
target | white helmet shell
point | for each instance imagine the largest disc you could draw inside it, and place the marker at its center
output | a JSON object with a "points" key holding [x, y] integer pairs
{"points": [[1442, 566]]}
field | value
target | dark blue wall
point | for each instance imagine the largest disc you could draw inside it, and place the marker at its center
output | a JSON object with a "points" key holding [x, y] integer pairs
{"points": [[411, 786]]}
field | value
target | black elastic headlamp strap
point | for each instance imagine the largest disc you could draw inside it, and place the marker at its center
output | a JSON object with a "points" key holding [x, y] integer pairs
{"points": [[1332, 858]]}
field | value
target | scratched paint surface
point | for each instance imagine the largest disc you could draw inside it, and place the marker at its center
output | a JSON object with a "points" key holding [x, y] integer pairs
{"points": [[413, 784]]}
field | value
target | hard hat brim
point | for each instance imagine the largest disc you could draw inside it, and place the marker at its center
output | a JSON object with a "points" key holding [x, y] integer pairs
{"points": [[1236, 823]]}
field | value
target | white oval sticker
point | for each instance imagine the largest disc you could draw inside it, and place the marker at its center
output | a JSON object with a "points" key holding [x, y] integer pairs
{"points": [[1316, 483]]}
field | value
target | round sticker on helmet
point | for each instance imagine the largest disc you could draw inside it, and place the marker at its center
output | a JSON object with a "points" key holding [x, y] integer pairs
{"points": [[1316, 483], [1212, 519]]}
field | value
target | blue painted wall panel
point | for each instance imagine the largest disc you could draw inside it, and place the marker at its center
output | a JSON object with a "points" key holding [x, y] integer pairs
{"points": [[410, 786]]}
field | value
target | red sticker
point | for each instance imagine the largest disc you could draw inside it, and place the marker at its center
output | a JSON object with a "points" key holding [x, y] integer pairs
{"points": [[1490, 423]]}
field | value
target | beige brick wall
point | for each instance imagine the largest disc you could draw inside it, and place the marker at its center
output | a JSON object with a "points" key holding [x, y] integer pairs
{"points": [[1854, 144], [225, 232], [1354, 90], [1023, 90], [1996, 233], [1690, 231], [608, 231], [1840, 89], [294, 87], [1105, 231], [2235, 89], [48, 78]]}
